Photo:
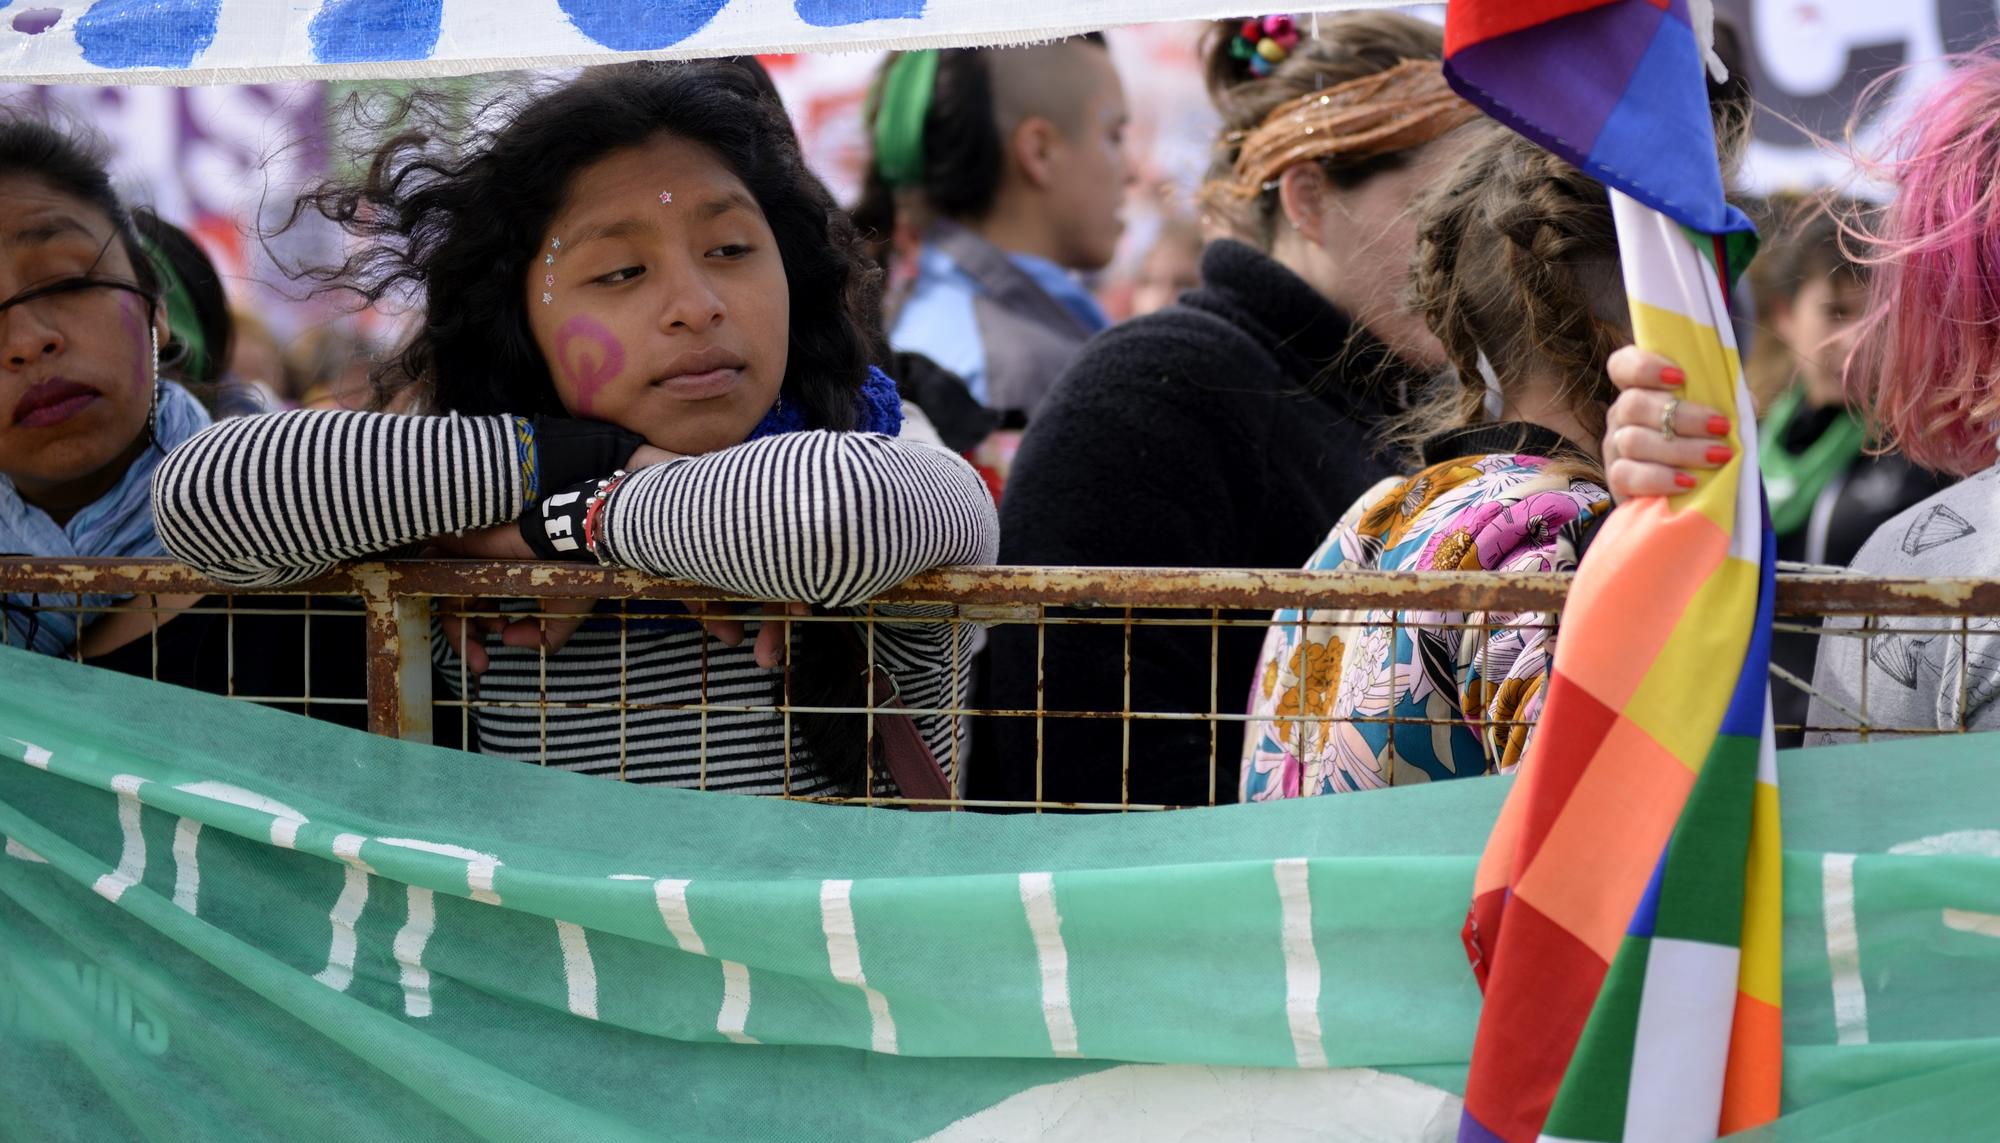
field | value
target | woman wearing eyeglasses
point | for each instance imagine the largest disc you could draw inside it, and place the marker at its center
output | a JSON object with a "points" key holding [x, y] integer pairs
{"points": [[87, 413], [85, 416]]}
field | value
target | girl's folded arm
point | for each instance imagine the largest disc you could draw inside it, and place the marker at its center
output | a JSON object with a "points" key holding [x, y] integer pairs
{"points": [[274, 500], [818, 517]]}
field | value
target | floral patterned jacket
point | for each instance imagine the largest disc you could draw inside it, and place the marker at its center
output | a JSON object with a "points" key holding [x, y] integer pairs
{"points": [[1460, 688]]}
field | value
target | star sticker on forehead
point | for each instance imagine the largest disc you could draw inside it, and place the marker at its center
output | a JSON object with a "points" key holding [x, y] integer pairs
{"points": [[666, 198]]}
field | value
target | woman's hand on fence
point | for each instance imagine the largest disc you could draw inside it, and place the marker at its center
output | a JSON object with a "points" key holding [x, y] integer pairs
{"points": [[550, 629], [559, 619], [771, 637], [467, 634], [1640, 459]]}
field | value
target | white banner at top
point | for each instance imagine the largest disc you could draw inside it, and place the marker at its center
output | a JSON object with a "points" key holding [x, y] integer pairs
{"points": [[257, 41]]}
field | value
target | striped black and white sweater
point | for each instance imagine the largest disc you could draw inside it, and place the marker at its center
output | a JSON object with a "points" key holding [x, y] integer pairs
{"points": [[815, 517]]}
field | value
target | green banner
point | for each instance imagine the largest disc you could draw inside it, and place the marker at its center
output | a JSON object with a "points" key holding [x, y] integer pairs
{"points": [[218, 921]]}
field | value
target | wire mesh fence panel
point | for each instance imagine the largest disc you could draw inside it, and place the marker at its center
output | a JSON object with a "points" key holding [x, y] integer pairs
{"points": [[300, 653], [613, 674]]}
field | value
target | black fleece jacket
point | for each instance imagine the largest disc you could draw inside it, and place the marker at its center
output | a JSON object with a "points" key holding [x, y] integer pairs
{"points": [[1229, 430]]}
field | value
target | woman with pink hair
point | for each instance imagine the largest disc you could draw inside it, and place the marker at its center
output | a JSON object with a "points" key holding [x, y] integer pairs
{"points": [[1925, 372]]}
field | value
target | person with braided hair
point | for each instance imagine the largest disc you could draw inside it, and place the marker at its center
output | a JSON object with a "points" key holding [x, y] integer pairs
{"points": [[1517, 275]]}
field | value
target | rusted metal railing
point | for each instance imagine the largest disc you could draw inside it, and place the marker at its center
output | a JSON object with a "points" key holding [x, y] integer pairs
{"points": [[396, 605]]}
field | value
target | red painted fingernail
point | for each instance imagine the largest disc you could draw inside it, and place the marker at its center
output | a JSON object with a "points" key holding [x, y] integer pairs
{"points": [[1720, 454], [1683, 480], [1672, 375], [1718, 426]]}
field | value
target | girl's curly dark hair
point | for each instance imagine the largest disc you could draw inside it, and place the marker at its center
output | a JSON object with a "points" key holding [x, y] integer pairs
{"points": [[451, 209]]}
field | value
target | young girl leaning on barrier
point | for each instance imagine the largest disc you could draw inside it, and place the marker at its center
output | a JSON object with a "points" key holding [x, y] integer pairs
{"points": [[641, 341], [1924, 371]]}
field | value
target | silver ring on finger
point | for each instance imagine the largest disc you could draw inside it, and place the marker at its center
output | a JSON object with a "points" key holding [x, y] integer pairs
{"points": [[1668, 416]]}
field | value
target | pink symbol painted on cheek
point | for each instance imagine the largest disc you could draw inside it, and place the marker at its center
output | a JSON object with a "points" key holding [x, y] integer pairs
{"points": [[590, 356]]}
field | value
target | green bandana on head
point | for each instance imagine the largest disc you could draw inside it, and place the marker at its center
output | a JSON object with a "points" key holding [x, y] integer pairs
{"points": [[903, 102]]}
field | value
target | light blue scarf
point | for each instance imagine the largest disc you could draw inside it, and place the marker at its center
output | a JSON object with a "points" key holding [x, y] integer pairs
{"points": [[118, 524]]}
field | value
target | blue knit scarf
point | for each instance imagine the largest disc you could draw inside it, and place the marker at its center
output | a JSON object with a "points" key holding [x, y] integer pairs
{"points": [[880, 411]]}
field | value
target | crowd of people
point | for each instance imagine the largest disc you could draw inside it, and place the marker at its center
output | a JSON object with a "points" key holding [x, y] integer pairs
{"points": [[646, 336]]}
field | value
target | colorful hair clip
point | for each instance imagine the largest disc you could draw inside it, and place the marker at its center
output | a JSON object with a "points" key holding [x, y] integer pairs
{"points": [[1265, 42]]}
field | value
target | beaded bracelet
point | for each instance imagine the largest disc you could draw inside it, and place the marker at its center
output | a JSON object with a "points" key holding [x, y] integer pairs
{"points": [[591, 510], [524, 452]]}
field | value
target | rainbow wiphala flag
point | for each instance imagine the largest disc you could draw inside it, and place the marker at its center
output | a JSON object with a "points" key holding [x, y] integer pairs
{"points": [[1625, 916]]}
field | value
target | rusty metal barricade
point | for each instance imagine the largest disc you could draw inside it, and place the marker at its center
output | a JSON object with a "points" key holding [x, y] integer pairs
{"points": [[387, 610]]}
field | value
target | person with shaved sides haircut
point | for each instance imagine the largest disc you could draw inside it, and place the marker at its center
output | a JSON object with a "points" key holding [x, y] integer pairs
{"points": [[1008, 167]]}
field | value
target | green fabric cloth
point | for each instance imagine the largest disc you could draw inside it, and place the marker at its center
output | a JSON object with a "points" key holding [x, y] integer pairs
{"points": [[1794, 480], [902, 103], [517, 968]]}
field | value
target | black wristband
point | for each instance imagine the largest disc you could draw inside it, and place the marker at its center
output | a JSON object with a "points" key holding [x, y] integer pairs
{"points": [[570, 452], [553, 527]]}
